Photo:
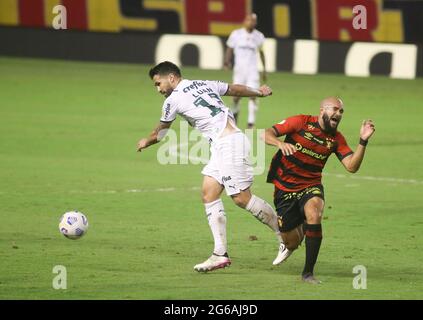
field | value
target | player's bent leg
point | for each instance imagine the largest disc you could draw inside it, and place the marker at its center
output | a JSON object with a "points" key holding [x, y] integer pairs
{"points": [[258, 207], [313, 210], [291, 240], [242, 198], [263, 212]]}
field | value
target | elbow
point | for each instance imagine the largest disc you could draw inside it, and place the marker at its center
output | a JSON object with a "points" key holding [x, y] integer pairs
{"points": [[352, 169]]}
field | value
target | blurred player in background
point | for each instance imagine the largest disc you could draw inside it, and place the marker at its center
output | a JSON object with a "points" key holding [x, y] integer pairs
{"points": [[296, 172], [245, 44], [229, 168]]}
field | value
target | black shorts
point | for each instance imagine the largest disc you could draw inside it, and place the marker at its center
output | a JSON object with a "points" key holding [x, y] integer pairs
{"points": [[290, 206]]}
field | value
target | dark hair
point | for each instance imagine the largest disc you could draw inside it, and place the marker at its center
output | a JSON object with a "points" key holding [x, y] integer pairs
{"points": [[165, 68]]}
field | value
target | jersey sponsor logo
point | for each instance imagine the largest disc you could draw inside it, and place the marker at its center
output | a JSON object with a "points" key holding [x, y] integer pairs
{"points": [[312, 137], [194, 86], [224, 179], [167, 111], [309, 152], [308, 136], [247, 48]]}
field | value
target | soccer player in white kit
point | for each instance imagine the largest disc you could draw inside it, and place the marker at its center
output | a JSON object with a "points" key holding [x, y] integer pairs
{"points": [[245, 44], [200, 103]]}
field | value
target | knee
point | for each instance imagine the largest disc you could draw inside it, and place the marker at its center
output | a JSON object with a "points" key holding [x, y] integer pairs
{"points": [[293, 239], [315, 218], [240, 201], [292, 245], [207, 197], [314, 210]]}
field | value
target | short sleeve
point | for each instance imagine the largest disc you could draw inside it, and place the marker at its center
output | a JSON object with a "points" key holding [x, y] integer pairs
{"points": [[260, 40], [231, 42], [342, 149], [169, 111], [219, 86], [289, 125]]}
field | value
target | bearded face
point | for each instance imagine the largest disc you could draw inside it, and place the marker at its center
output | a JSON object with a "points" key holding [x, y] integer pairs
{"points": [[331, 117], [163, 84]]}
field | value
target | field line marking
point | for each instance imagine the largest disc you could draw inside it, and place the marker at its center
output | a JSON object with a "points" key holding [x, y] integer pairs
{"points": [[371, 178], [174, 152]]}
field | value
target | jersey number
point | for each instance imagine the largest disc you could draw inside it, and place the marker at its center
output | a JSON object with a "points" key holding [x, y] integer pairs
{"points": [[203, 103]]}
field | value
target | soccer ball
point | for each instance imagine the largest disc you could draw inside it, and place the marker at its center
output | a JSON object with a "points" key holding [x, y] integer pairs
{"points": [[73, 225]]}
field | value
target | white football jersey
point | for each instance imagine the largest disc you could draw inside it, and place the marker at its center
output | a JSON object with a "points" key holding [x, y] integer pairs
{"points": [[200, 103], [246, 46]]}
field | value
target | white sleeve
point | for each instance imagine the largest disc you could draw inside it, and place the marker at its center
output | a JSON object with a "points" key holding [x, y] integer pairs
{"points": [[260, 40], [169, 111], [231, 42], [219, 86]]}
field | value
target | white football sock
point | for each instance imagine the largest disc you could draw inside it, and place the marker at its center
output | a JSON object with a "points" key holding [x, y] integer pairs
{"points": [[252, 109], [263, 212], [217, 222]]}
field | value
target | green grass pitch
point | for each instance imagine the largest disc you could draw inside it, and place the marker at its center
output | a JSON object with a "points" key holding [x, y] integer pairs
{"points": [[68, 134]]}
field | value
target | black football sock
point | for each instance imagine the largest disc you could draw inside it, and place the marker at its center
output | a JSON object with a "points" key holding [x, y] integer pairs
{"points": [[313, 239]]}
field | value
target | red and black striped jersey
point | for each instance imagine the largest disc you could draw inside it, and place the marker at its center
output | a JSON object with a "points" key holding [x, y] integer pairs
{"points": [[304, 168]]}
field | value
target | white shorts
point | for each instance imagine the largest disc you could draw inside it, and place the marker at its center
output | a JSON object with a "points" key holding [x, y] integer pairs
{"points": [[230, 163], [247, 78]]}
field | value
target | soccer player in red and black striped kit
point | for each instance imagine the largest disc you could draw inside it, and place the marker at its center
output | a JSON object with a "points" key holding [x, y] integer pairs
{"points": [[296, 172]]}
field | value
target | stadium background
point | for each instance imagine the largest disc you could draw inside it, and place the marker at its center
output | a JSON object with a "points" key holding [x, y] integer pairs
{"points": [[70, 119], [145, 31]]}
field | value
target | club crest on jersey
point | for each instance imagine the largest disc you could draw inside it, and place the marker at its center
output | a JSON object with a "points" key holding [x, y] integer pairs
{"points": [[329, 143]]}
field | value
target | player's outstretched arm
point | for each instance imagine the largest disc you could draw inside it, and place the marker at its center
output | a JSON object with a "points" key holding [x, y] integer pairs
{"points": [[352, 163], [239, 90], [155, 136]]}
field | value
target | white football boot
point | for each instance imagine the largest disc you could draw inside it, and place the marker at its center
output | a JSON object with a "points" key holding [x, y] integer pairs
{"points": [[213, 263], [283, 254]]}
